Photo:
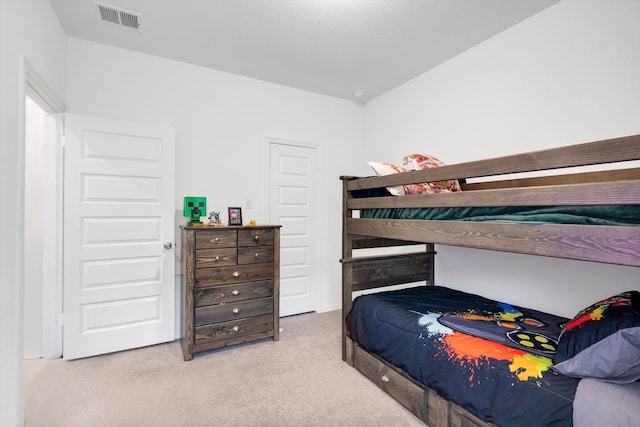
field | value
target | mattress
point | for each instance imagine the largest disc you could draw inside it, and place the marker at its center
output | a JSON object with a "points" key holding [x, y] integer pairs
{"points": [[492, 358]]}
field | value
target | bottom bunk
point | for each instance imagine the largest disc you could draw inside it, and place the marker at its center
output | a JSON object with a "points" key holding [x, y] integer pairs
{"points": [[458, 359]]}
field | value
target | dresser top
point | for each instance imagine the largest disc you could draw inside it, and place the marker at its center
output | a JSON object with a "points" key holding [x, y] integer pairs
{"points": [[227, 227]]}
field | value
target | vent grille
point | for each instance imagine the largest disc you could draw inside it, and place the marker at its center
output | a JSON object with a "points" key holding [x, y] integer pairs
{"points": [[118, 16]]}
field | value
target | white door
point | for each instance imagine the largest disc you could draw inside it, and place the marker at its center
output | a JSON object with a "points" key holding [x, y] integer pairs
{"points": [[292, 199], [118, 236]]}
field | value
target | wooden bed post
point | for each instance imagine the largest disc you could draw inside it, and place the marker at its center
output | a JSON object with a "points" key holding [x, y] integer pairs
{"points": [[431, 253], [347, 267]]}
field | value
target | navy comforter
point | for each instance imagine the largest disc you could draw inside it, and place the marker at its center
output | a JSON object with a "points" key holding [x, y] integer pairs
{"points": [[492, 358]]}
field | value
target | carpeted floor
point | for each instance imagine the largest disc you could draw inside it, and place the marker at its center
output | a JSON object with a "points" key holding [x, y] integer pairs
{"points": [[300, 380]]}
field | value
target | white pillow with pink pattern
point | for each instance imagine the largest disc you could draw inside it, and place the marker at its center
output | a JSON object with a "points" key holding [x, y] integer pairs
{"points": [[416, 161], [426, 161]]}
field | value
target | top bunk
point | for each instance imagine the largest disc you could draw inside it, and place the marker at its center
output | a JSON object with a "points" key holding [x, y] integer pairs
{"points": [[554, 210]]}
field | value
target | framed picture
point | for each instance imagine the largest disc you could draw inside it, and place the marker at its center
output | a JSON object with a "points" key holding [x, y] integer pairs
{"points": [[235, 216]]}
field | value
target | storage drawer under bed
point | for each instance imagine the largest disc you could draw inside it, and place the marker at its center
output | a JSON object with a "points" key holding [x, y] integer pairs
{"points": [[423, 402], [391, 381]]}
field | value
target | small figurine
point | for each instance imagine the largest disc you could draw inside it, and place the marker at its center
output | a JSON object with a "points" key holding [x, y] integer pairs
{"points": [[214, 218], [252, 223]]}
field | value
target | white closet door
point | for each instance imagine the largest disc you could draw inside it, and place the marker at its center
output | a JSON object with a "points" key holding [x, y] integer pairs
{"points": [[292, 195]]}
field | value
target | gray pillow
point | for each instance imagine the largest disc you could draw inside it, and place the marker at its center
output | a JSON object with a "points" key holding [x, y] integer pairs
{"points": [[603, 341]]}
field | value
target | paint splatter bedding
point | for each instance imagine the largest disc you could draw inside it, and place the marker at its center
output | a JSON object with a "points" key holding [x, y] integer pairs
{"points": [[492, 358]]}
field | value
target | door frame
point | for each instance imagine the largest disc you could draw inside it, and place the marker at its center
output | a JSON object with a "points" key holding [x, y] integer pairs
{"points": [[317, 184], [39, 91]]}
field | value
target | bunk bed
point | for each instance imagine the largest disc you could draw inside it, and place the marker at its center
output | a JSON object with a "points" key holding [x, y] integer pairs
{"points": [[580, 209]]}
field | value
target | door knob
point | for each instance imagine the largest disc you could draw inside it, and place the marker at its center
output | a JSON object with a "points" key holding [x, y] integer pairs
{"points": [[168, 245]]}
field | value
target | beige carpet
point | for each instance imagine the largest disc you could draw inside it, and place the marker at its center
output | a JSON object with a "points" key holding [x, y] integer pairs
{"points": [[300, 380]]}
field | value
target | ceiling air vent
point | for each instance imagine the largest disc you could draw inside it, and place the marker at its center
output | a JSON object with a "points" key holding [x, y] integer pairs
{"points": [[119, 16]]}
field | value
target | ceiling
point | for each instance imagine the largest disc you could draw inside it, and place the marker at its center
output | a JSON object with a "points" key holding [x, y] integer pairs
{"points": [[338, 48]]}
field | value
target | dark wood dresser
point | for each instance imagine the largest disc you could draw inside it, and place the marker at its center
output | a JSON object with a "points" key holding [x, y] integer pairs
{"points": [[230, 286]]}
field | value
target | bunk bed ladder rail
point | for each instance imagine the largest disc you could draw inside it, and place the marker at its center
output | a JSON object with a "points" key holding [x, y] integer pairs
{"points": [[370, 272]]}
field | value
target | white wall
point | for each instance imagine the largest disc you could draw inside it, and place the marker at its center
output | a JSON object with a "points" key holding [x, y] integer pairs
{"points": [[567, 75], [222, 122], [28, 29]]}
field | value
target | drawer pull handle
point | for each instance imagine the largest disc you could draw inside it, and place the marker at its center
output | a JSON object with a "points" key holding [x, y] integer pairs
{"points": [[235, 329], [257, 254], [236, 310], [235, 292], [257, 237], [235, 274], [217, 258], [217, 239], [385, 378]]}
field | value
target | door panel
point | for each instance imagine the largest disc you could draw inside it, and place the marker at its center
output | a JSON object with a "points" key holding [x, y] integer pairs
{"points": [[292, 195], [119, 207]]}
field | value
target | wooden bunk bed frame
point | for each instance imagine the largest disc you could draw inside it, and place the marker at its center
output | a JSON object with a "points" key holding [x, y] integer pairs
{"points": [[598, 243]]}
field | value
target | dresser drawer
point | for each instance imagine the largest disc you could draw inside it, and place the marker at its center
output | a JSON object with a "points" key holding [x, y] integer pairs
{"points": [[233, 274], [216, 257], [253, 255], [237, 310], [233, 293], [255, 237], [236, 328], [206, 239]]}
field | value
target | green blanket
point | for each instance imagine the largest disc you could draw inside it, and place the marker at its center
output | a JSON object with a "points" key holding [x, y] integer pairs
{"points": [[589, 215]]}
